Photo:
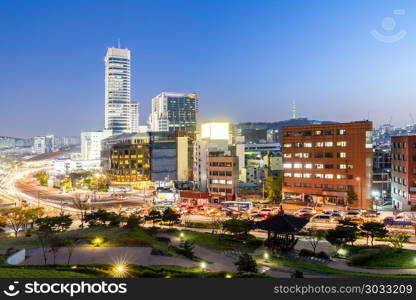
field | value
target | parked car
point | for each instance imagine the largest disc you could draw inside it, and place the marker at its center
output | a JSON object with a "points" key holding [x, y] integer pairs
{"points": [[305, 212], [322, 218], [356, 219], [338, 215]]}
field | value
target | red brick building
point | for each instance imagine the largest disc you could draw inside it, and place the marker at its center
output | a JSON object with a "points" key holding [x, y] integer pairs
{"points": [[322, 162], [403, 172]]}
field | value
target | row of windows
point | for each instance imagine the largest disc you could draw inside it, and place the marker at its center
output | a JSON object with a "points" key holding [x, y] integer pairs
{"points": [[317, 144], [220, 173], [221, 164], [317, 166], [316, 132], [217, 190], [400, 192], [319, 176], [400, 180], [319, 186], [220, 181], [316, 155], [399, 169], [400, 145]]}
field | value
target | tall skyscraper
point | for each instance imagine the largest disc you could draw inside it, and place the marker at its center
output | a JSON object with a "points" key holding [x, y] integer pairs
{"points": [[174, 111], [121, 114]]}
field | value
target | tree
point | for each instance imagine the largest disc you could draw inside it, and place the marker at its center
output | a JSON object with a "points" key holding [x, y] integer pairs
{"points": [[134, 221], [237, 226], [82, 206], [170, 216], [351, 196], [374, 229], [398, 239], [273, 188], [246, 263], [186, 248], [16, 217], [101, 217], [314, 236], [154, 216], [42, 177], [54, 224], [342, 235], [55, 242], [70, 243]]}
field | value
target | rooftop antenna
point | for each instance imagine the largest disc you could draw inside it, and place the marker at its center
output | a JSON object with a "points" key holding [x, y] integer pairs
{"points": [[119, 45], [293, 109]]}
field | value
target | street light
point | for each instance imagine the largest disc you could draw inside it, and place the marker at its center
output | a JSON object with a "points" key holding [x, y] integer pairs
{"points": [[203, 266], [266, 255]]}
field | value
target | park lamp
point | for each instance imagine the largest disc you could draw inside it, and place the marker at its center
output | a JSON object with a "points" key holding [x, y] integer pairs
{"points": [[181, 235], [97, 241], [203, 266], [119, 270], [342, 252], [266, 255]]}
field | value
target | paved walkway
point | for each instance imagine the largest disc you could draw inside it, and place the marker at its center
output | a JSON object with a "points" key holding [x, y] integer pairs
{"points": [[343, 266]]}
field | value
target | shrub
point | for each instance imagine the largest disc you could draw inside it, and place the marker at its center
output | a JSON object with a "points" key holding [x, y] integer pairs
{"points": [[163, 239], [296, 274], [306, 253], [323, 255], [246, 263], [160, 252], [363, 257], [255, 243]]}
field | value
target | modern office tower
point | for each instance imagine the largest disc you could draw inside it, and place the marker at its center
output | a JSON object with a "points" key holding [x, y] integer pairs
{"points": [[174, 111], [91, 145], [43, 144], [324, 163], [403, 160], [121, 115]]}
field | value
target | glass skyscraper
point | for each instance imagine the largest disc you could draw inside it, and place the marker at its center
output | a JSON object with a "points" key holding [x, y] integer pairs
{"points": [[174, 111], [121, 115]]}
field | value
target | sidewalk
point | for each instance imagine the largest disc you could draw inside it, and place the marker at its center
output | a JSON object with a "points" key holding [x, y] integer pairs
{"points": [[343, 266]]}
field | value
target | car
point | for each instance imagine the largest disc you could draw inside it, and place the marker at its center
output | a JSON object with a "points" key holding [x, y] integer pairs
{"points": [[338, 215], [352, 213], [305, 212], [356, 219], [322, 218]]}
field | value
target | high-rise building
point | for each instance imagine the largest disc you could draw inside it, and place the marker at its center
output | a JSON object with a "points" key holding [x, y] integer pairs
{"points": [[174, 111], [322, 163], [403, 161], [121, 114]]}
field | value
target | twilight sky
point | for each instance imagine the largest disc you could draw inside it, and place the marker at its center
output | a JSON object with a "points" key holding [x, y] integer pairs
{"points": [[248, 60]]}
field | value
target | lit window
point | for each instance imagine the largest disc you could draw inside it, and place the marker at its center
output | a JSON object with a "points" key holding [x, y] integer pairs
{"points": [[287, 174], [298, 155], [306, 155], [308, 166], [297, 175], [342, 166], [287, 145], [287, 155], [287, 166], [319, 175], [318, 132], [307, 175], [319, 166], [341, 143], [297, 166], [319, 144], [329, 176], [342, 155], [307, 145], [329, 144], [341, 176]]}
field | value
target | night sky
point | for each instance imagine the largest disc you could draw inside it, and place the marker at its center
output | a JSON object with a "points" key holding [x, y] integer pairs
{"points": [[247, 60]]}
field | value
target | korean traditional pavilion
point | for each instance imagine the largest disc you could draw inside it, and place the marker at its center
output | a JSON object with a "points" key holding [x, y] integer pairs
{"points": [[281, 229]]}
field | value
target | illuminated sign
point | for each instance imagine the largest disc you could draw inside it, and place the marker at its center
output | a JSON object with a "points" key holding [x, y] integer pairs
{"points": [[215, 130]]}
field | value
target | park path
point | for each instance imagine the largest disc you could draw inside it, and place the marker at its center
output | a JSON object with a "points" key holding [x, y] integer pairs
{"points": [[343, 266]]}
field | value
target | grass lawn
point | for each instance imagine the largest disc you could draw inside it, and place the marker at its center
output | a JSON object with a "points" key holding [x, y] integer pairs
{"points": [[383, 258], [112, 236], [216, 241], [14, 272], [321, 268]]}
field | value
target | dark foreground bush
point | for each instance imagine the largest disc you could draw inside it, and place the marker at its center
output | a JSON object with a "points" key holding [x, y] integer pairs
{"points": [[306, 253]]}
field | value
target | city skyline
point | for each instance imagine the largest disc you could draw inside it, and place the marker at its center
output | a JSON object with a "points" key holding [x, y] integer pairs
{"points": [[268, 59]]}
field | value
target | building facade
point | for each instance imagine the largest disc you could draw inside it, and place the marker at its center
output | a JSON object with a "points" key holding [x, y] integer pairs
{"points": [[91, 143], [322, 163], [403, 160], [43, 144], [174, 111], [121, 114]]}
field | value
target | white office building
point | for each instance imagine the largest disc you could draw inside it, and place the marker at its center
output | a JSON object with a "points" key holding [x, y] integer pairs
{"points": [[43, 144], [121, 114], [91, 144]]}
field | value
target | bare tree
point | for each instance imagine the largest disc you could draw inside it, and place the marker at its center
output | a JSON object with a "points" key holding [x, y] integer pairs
{"points": [[82, 206], [314, 236]]}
